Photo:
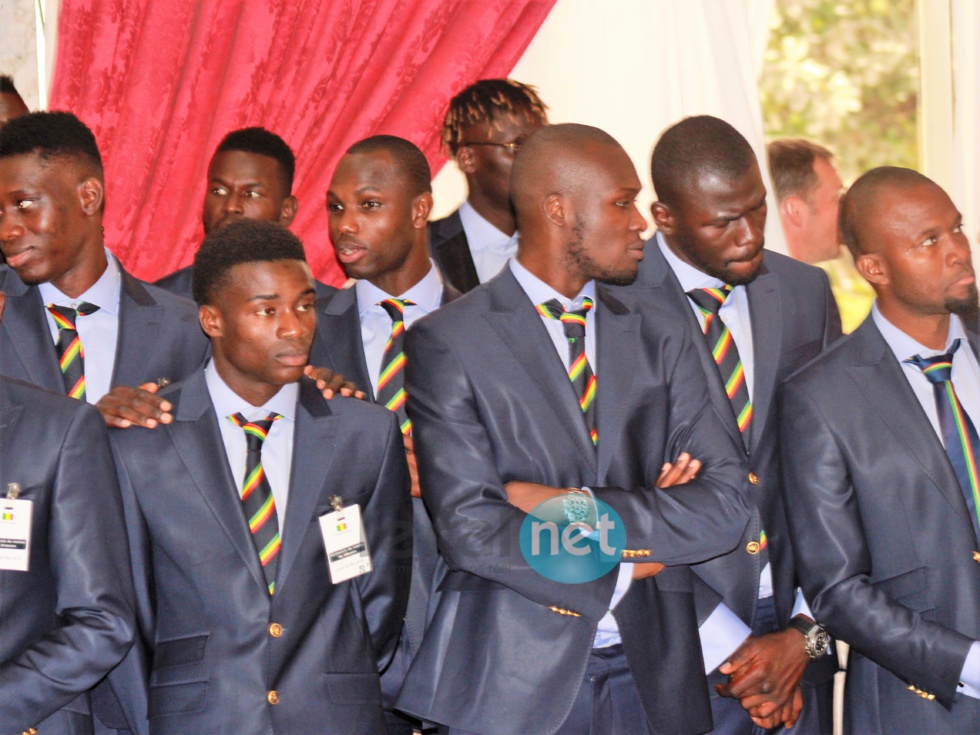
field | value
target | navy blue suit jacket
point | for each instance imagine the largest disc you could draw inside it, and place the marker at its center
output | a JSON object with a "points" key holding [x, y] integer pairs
{"points": [[490, 401], [205, 659], [451, 252], [884, 543], [159, 335], [69, 619]]}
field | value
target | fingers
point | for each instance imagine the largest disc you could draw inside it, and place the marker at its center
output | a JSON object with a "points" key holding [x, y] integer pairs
{"points": [[643, 570], [413, 469], [124, 406], [679, 472], [330, 383]]}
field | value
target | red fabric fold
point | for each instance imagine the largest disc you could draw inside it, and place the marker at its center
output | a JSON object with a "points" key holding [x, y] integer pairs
{"points": [[160, 83]]}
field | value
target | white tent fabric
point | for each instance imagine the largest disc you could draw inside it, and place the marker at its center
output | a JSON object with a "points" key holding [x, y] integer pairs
{"points": [[966, 117], [635, 67]]}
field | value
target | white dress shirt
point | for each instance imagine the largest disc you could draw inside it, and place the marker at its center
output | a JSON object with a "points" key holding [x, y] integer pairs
{"points": [[426, 296], [98, 332], [489, 247], [277, 449], [723, 631], [538, 292], [966, 379]]}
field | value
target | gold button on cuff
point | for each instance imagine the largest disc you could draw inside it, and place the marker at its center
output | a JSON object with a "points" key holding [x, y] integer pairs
{"points": [[634, 553], [563, 611], [273, 697], [752, 547], [753, 478], [275, 630], [976, 556]]}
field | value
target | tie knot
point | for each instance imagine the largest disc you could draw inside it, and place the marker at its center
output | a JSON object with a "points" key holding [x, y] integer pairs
{"points": [[255, 431], [396, 308], [938, 368], [64, 316], [709, 300], [572, 320]]}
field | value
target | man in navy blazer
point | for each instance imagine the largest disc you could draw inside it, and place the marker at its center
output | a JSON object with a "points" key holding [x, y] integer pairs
{"points": [[69, 617], [500, 428], [711, 215], [378, 203], [884, 526], [52, 198], [483, 129], [240, 632]]}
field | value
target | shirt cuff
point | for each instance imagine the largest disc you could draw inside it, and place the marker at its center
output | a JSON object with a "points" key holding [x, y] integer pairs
{"points": [[721, 634], [970, 678], [800, 607]]}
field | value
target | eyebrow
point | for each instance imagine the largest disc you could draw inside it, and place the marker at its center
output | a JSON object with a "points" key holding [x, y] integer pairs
{"points": [[274, 296]]}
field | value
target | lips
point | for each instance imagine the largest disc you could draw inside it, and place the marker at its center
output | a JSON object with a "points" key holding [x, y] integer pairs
{"points": [[348, 252], [293, 359], [17, 258]]}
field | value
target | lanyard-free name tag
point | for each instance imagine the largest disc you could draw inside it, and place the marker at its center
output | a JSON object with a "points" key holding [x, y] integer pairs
{"points": [[348, 555], [15, 532]]}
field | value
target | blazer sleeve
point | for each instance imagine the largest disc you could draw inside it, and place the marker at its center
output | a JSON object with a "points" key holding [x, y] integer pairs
{"points": [[94, 594], [704, 518], [478, 531], [834, 563], [387, 518]]}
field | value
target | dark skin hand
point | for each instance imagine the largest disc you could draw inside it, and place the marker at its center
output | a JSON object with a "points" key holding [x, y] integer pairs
{"points": [[764, 674], [413, 468], [124, 406], [528, 495]]}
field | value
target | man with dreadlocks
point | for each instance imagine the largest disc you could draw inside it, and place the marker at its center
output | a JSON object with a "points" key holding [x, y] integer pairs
{"points": [[484, 127]]}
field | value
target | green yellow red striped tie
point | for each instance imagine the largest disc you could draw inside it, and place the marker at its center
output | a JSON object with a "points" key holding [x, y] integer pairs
{"points": [[959, 433], [257, 500], [579, 370], [391, 379], [71, 354], [725, 353]]}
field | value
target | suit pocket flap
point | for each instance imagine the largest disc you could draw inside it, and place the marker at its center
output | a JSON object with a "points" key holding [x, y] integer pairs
{"points": [[353, 688], [904, 587], [173, 699], [179, 651]]}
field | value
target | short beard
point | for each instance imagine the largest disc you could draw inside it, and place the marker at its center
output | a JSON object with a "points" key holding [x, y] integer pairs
{"points": [[576, 258], [967, 307]]}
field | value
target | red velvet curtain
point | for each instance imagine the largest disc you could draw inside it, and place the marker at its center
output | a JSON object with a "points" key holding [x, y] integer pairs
{"points": [[160, 82]]}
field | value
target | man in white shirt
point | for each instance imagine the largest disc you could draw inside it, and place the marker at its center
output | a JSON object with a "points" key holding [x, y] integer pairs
{"points": [[378, 203], [880, 464], [483, 130]]}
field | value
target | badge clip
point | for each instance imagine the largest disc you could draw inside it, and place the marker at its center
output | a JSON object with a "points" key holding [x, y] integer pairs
{"points": [[13, 490], [336, 502]]}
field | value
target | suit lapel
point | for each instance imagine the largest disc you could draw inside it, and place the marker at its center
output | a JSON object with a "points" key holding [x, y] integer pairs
{"points": [[887, 390], [197, 439], [668, 294], [140, 320], [767, 340], [313, 454], [520, 329], [339, 326], [9, 413], [618, 336], [25, 322]]}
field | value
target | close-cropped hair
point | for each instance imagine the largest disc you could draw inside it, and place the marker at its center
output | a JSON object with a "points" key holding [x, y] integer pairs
{"points": [[240, 241], [858, 203], [264, 143], [50, 135], [487, 101], [791, 163], [408, 158]]}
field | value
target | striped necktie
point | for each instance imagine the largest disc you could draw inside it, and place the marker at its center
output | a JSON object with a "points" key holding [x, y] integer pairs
{"points": [[725, 353], [391, 379], [71, 355], [959, 433], [257, 500], [579, 370]]}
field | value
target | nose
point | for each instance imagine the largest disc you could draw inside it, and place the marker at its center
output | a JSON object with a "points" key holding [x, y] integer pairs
{"points": [[637, 222], [9, 229], [959, 251], [234, 203], [293, 324], [752, 229]]}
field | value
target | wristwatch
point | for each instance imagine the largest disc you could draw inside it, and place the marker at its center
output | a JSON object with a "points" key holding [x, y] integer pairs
{"points": [[817, 640]]}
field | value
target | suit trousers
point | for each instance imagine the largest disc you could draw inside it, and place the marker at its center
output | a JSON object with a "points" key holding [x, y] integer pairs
{"points": [[607, 703], [729, 717]]}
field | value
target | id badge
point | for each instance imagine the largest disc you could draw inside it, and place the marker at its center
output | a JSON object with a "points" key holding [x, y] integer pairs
{"points": [[348, 555], [15, 534]]}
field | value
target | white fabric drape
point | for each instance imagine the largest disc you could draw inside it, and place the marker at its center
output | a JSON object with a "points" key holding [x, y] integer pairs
{"points": [[966, 135], [635, 67]]}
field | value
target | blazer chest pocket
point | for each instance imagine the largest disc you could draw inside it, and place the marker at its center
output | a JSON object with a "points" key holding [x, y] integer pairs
{"points": [[910, 589]]}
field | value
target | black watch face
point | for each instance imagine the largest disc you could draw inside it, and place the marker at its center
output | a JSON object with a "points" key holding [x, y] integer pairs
{"points": [[821, 641]]}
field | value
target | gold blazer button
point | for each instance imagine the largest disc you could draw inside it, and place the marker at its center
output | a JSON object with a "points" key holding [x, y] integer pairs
{"points": [[275, 630], [273, 697], [752, 547], [753, 478]]}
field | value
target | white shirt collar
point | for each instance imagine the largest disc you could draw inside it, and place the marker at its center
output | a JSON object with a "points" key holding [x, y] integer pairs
{"points": [[905, 346], [689, 276], [539, 291], [480, 234], [104, 293], [226, 402], [426, 294]]}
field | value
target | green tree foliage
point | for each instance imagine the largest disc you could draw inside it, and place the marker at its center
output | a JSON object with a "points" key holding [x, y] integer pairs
{"points": [[844, 73]]}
